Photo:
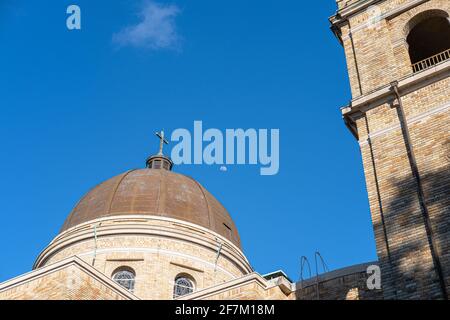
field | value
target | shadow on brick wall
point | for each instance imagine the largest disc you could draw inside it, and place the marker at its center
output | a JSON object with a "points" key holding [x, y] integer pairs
{"points": [[411, 273]]}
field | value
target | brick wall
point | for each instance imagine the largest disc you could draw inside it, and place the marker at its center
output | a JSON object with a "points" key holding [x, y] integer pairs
{"points": [[345, 284], [404, 244], [69, 283], [156, 250], [378, 49]]}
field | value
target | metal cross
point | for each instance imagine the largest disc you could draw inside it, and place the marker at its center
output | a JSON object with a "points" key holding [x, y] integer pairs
{"points": [[162, 141]]}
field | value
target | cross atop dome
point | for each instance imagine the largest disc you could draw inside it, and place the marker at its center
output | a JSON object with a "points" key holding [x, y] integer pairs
{"points": [[160, 161], [162, 141]]}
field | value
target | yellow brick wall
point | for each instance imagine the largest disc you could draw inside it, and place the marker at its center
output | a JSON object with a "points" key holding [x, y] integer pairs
{"points": [[156, 259], [380, 49], [66, 284], [382, 57]]}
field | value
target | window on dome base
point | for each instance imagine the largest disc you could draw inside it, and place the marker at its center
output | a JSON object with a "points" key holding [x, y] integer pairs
{"points": [[184, 285], [156, 164], [125, 277], [228, 231]]}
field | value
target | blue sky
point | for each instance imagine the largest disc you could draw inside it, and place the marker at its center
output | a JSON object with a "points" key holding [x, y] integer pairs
{"points": [[78, 107]]}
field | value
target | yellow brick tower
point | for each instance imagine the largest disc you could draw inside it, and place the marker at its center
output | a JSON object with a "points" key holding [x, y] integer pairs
{"points": [[398, 58]]}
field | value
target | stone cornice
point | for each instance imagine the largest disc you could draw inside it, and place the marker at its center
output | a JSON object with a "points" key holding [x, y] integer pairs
{"points": [[343, 14], [341, 17], [148, 226], [357, 7], [406, 85]]}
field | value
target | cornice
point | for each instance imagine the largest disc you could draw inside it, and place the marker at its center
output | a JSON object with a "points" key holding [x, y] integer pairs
{"points": [[406, 85], [343, 14], [341, 17], [145, 225], [357, 7]]}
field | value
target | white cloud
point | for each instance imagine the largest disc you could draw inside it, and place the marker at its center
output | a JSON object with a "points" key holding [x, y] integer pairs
{"points": [[156, 29]]}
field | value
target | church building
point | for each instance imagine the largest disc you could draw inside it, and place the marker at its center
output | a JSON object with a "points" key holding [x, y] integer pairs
{"points": [[154, 234]]}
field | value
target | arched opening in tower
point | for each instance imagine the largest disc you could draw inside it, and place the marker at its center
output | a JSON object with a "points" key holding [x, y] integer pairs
{"points": [[429, 42]]}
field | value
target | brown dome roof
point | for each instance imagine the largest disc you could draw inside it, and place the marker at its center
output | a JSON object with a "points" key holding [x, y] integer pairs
{"points": [[157, 193]]}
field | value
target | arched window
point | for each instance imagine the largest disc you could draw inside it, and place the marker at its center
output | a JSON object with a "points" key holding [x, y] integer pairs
{"points": [[125, 277], [429, 39], [184, 285]]}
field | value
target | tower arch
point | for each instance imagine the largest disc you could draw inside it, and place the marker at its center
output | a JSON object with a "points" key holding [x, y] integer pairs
{"points": [[427, 35]]}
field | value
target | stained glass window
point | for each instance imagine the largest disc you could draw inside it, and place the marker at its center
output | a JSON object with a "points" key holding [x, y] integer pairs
{"points": [[126, 278], [183, 286]]}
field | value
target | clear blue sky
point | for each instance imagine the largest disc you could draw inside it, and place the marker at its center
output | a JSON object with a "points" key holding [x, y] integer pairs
{"points": [[78, 107]]}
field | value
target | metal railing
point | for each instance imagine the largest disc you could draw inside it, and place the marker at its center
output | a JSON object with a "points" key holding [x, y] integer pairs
{"points": [[431, 61]]}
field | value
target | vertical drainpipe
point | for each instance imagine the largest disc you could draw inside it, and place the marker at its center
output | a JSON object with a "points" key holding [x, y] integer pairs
{"points": [[219, 251], [95, 242], [355, 59], [420, 193]]}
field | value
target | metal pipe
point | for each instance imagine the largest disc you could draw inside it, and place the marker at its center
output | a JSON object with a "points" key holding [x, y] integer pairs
{"points": [[219, 250], [355, 60], [325, 269], [303, 261], [95, 244], [420, 193]]}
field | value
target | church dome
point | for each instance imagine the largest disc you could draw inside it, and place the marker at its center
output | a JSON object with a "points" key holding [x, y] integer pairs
{"points": [[154, 192], [148, 228]]}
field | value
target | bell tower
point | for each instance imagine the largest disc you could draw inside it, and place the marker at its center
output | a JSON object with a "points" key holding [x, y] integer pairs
{"points": [[398, 59]]}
